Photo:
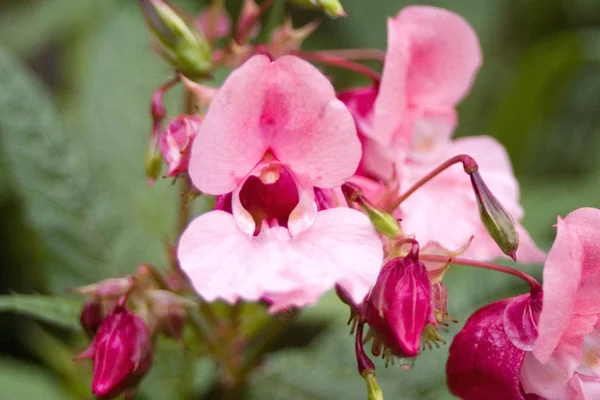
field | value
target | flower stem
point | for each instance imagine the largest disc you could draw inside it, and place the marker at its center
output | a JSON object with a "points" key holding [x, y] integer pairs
{"points": [[534, 285], [469, 166], [356, 54], [260, 342], [340, 62]]}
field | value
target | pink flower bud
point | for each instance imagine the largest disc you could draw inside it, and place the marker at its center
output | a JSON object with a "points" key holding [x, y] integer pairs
{"points": [[121, 353], [484, 361], [399, 305], [175, 142], [91, 316], [214, 22]]}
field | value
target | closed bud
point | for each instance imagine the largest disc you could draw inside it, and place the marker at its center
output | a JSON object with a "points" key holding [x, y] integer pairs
{"points": [[176, 141], [170, 311], [486, 356], [153, 160], [332, 8], [121, 352], [178, 41], [214, 21], [399, 305], [91, 316], [108, 288], [498, 222]]}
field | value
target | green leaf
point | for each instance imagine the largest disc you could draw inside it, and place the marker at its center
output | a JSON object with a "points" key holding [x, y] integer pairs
{"points": [[60, 311], [19, 380]]}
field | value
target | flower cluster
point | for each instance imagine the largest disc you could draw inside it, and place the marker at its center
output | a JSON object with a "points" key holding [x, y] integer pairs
{"points": [[363, 190]]}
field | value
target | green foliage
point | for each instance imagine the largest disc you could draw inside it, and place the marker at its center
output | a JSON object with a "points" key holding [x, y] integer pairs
{"points": [[22, 381], [59, 311]]}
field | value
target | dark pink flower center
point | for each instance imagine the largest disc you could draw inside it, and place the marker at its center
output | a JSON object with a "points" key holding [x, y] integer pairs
{"points": [[271, 197]]}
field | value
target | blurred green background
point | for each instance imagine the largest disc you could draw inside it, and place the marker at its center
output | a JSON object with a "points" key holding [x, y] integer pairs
{"points": [[75, 82]]}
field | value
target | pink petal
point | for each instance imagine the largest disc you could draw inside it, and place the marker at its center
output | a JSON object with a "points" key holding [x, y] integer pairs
{"points": [[286, 106], [340, 247], [585, 387], [431, 62], [444, 54], [445, 209], [571, 277], [360, 103], [549, 378], [222, 262]]}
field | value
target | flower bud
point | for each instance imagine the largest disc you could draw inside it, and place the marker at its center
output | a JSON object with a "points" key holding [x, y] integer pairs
{"points": [[121, 352], [91, 316], [399, 305], [215, 21], [153, 160], [484, 362], [170, 311], [498, 222], [111, 288], [178, 41], [248, 24], [332, 8], [176, 141]]}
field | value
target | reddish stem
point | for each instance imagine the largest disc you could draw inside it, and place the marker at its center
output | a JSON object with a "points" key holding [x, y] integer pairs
{"points": [[534, 285], [340, 62], [469, 166], [356, 54], [246, 27]]}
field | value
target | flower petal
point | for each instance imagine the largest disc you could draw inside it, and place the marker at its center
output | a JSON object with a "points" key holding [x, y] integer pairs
{"points": [[286, 106], [340, 247], [571, 278], [444, 54], [222, 262]]}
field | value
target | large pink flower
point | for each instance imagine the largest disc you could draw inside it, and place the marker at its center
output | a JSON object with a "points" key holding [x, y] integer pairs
{"points": [[275, 132], [565, 362], [406, 126]]}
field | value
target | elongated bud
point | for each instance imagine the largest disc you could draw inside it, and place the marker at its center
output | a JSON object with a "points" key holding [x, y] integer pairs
{"points": [[178, 41], [399, 305], [214, 21], [153, 160], [364, 363], [112, 288], [332, 8], [384, 222], [498, 222], [121, 352]]}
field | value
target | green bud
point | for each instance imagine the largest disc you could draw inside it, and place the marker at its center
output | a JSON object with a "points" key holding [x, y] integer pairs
{"points": [[184, 46], [332, 8], [385, 223], [498, 222], [153, 161]]}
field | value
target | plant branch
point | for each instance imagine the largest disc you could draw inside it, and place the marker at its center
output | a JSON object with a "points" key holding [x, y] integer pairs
{"points": [[340, 62]]}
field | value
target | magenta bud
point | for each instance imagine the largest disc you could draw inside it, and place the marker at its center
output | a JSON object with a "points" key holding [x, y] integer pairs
{"points": [[399, 305], [121, 352], [498, 222], [91, 316], [484, 362], [176, 141], [108, 288]]}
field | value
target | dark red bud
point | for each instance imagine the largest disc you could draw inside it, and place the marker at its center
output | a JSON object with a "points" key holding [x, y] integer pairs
{"points": [[91, 316], [399, 305], [121, 353], [484, 363]]}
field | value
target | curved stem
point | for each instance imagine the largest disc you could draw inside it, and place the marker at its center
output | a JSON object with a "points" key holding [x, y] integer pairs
{"points": [[340, 62], [469, 166], [356, 54], [534, 285]]}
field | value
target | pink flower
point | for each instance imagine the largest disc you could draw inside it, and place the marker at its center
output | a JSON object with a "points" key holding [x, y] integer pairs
{"points": [[406, 126], [274, 132], [176, 140], [565, 361]]}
